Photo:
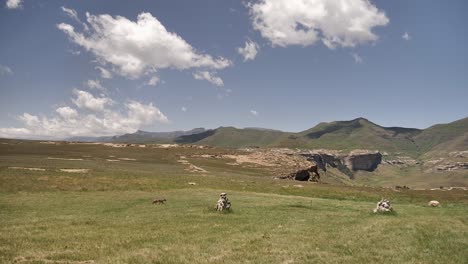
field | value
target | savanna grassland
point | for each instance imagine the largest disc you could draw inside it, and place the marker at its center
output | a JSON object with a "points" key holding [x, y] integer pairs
{"points": [[99, 211]]}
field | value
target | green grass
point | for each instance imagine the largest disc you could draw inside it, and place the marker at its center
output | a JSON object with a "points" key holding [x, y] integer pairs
{"points": [[106, 215], [124, 227]]}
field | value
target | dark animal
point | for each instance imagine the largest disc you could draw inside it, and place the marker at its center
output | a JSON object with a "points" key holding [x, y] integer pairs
{"points": [[159, 201]]}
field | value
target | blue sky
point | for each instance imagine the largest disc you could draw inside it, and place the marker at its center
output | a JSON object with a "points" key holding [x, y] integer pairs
{"points": [[86, 67]]}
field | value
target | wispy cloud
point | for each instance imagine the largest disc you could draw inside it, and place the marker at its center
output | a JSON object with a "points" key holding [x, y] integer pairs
{"points": [[253, 112], [95, 84], [71, 13], [208, 76], [406, 36], [357, 59], [153, 81], [104, 72], [5, 70], [249, 51]]}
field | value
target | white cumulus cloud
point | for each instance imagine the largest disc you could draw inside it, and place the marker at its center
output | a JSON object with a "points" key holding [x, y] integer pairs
{"points": [[345, 23], [85, 100], [14, 4], [133, 48], [249, 51], [208, 76], [67, 112], [69, 121]]}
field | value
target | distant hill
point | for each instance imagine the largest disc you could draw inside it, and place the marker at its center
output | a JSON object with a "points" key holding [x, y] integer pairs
{"points": [[444, 137], [359, 133], [142, 137], [234, 137]]}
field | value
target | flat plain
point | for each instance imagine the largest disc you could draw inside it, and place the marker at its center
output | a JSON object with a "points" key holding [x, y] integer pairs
{"points": [[91, 203]]}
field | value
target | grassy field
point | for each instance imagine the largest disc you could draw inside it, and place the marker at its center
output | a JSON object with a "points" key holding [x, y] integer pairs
{"points": [[105, 215]]}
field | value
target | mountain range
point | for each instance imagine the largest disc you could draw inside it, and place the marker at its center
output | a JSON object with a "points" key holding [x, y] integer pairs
{"points": [[359, 133]]}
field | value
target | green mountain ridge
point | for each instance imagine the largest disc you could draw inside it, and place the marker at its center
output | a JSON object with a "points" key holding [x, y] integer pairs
{"points": [[359, 133]]}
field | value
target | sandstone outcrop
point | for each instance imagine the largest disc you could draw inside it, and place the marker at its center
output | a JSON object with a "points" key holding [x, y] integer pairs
{"points": [[453, 166], [363, 160], [356, 160]]}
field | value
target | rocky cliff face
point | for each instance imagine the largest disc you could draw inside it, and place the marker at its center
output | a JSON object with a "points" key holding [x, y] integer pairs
{"points": [[453, 166], [362, 160], [354, 161]]}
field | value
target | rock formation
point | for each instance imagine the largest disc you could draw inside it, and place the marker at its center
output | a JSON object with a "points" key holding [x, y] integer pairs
{"points": [[453, 166], [384, 206], [223, 203], [363, 160], [356, 160]]}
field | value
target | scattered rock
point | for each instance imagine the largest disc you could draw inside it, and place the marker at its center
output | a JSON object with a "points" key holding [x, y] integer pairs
{"points": [[404, 187], [453, 166], [434, 203], [159, 200], [459, 154], [383, 206], [298, 186], [223, 203], [192, 183], [115, 145], [165, 146]]}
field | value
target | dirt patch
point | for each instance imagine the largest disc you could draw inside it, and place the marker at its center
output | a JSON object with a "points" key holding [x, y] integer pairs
{"points": [[166, 146], [50, 158], [126, 159], [275, 159], [190, 166], [75, 170], [23, 168], [115, 145], [193, 168], [30, 259]]}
